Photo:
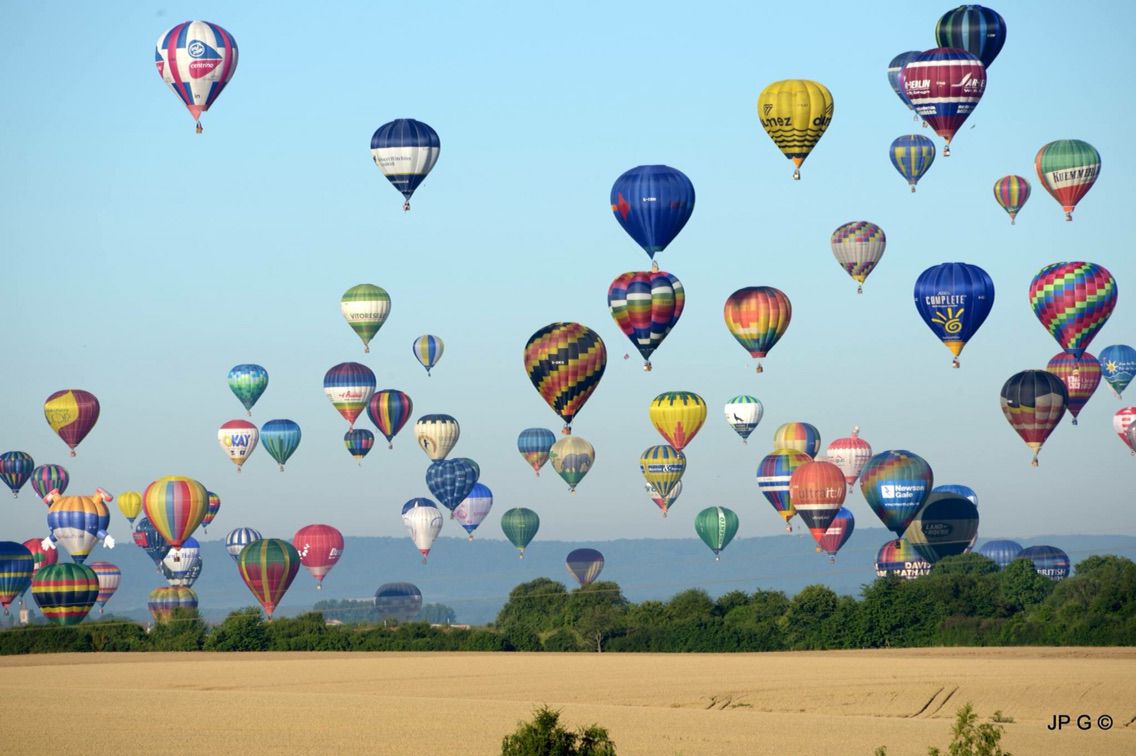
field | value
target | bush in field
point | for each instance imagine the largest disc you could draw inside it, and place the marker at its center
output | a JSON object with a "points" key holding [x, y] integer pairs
{"points": [[545, 736], [971, 738], [183, 631], [243, 630], [562, 640], [308, 632], [117, 635], [44, 639]]}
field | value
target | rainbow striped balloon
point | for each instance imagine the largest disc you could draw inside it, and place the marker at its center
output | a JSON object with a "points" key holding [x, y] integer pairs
{"points": [[175, 506], [801, 437], [646, 305], [16, 568], [1073, 300], [65, 592], [164, 601], [1011, 192], [212, 507], [268, 567], [109, 577], [758, 317], [48, 478], [349, 386], [1081, 376], [389, 410]]}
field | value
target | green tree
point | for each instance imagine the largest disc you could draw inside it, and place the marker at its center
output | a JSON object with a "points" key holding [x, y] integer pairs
{"points": [[597, 612], [438, 614], [1020, 586], [243, 630], [545, 736], [693, 604], [183, 631], [805, 622], [965, 564], [970, 738], [533, 608]]}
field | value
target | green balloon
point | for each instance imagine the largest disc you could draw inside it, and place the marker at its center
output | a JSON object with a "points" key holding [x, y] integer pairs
{"points": [[520, 526], [716, 526], [365, 307]]}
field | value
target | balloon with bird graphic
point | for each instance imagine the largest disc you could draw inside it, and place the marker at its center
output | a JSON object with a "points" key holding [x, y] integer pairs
{"points": [[405, 150], [349, 386], [1011, 193], [743, 412], [646, 306], [268, 567], [197, 59], [944, 85], [678, 416], [716, 526], [437, 435], [1034, 401], [1073, 301], [954, 300], [520, 525], [912, 155], [858, 247], [757, 316], [365, 307], [565, 362], [428, 350], [652, 203], [71, 413], [1081, 376], [1067, 169], [795, 113], [389, 410], [534, 445], [248, 382]]}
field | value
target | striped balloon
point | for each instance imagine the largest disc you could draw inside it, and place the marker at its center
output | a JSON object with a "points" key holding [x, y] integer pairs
{"points": [[565, 362], [1073, 300], [899, 558], [474, 508], [817, 490], [912, 155], [109, 577], [534, 445], [758, 317], [79, 522], [405, 150], [850, 454], [237, 539], [197, 59], [716, 526], [428, 350], [664, 503], [319, 547], [451, 480], [212, 507], [436, 435], [774, 472], [17, 565], [48, 478], [1001, 552], [572, 457], [1068, 168], [801, 437], [980, 31], [398, 602], [41, 557], [389, 410], [520, 526], [1081, 376], [944, 86], [281, 438], [182, 559], [838, 533], [1118, 366], [16, 468], [349, 386], [248, 382], [896, 483], [185, 575], [365, 308], [1011, 192], [958, 489], [678, 416], [646, 305], [165, 601], [268, 567], [71, 413], [147, 538], [130, 505], [858, 247], [795, 113], [65, 592], [1034, 402], [585, 565], [175, 506], [662, 467], [894, 67], [945, 526], [359, 442]]}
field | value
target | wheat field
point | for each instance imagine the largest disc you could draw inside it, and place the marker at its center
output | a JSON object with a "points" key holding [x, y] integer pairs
{"points": [[834, 702]]}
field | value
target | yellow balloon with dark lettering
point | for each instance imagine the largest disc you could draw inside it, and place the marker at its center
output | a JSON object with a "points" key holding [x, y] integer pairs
{"points": [[795, 113]]}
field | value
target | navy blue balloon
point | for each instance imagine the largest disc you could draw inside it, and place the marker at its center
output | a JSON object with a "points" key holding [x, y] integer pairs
{"points": [[954, 299], [419, 502], [945, 526], [451, 480], [1049, 561], [1001, 552], [411, 148], [896, 65], [150, 540], [652, 203], [980, 31], [965, 492]]}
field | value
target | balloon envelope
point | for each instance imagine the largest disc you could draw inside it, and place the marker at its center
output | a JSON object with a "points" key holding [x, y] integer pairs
{"points": [[175, 506], [585, 565], [850, 454], [1011, 193], [716, 526], [774, 472], [109, 577], [163, 602], [319, 547], [1073, 301], [65, 592], [474, 508], [678, 416], [248, 382], [268, 567], [1081, 376], [1049, 561], [437, 435], [534, 445], [389, 410], [16, 468], [896, 483], [817, 490], [646, 306], [795, 113], [945, 526], [398, 602], [520, 526], [572, 457], [743, 413], [428, 350], [954, 299], [897, 557], [1001, 552], [652, 203], [16, 568], [662, 467], [838, 532], [757, 317], [281, 438], [980, 31], [1067, 169], [944, 85], [451, 480], [197, 59], [238, 439], [1118, 366], [405, 150], [365, 308], [238, 538], [71, 413], [565, 362], [47, 478], [858, 247], [349, 386], [358, 442], [1034, 402], [912, 155]]}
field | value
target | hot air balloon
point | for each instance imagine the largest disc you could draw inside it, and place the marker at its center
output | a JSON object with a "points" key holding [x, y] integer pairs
{"points": [[1034, 402], [795, 114], [894, 67], [912, 155], [954, 299], [838, 533], [850, 454], [389, 410], [238, 538], [147, 538], [405, 150], [646, 306], [716, 526], [817, 491], [662, 468], [858, 247], [474, 508], [319, 547], [79, 522], [944, 86], [957, 489], [268, 567], [197, 59], [281, 439], [416, 502], [801, 437], [398, 602], [945, 526], [572, 458], [163, 602], [47, 478], [16, 468], [41, 557], [212, 507], [436, 435], [365, 308], [652, 203], [534, 445], [349, 386], [1081, 376], [183, 577], [585, 565], [359, 442], [677, 416], [451, 480], [980, 31], [565, 362], [65, 592], [896, 483], [1073, 300], [476, 467], [758, 316], [774, 472], [743, 413], [16, 568], [248, 382], [238, 439], [664, 503], [1001, 552], [428, 350], [130, 505], [71, 413], [1048, 561], [1067, 169], [175, 506], [1122, 422], [1118, 365], [899, 558], [1011, 192], [520, 526], [109, 576], [423, 523], [184, 557]]}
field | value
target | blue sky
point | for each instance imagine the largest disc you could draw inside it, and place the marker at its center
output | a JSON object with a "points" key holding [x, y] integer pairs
{"points": [[142, 261]]}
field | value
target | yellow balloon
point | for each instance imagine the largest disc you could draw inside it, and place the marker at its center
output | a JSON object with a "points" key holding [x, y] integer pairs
{"points": [[678, 415], [130, 504], [795, 113], [662, 468]]}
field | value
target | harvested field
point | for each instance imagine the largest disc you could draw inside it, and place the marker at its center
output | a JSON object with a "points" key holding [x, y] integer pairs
{"points": [[836, 702]]}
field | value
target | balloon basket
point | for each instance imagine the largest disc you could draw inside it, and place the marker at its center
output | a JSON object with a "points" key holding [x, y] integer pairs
{"points": [[406, 206], [955, 363], [647, 367], [1069, 216], [319, 586], [797, 175], [759, 369], [947, 151], [198, 128], [366, 349], [859, 289], [73, 451], [913, 188]]}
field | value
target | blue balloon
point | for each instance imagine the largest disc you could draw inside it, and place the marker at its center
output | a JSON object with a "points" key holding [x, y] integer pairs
{"points": [[652, 203], [1118, 365], [1001, 552], [451, 480], [896, 65], [912, 155], [954, 299], [280, 438], [980, 31], [1049, 561], [237, 539], [419, 502], [405, 151], [965, 492], [150, 540]]}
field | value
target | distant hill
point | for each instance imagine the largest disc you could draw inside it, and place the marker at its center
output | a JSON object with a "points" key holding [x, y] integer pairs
{"points": [[475, 577]]}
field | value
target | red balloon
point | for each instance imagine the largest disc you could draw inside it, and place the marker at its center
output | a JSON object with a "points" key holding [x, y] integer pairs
{"points": [[320, 547], [817, 491]]}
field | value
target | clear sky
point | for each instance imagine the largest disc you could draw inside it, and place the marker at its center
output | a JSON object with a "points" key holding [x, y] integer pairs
{"points": [[142, 261]]}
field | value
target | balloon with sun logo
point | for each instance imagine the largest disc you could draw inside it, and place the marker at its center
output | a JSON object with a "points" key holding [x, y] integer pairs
{"points": [[954, 299]]}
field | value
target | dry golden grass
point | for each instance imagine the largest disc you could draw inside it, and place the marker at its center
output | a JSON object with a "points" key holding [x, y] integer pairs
{"points": [[842, 702]]}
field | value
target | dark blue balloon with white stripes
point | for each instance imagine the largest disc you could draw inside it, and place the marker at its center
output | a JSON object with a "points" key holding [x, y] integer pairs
{"points": [[1049, 561], [652, 203], [978, 30], [1001, 552], [405, 150], [451, 480]]}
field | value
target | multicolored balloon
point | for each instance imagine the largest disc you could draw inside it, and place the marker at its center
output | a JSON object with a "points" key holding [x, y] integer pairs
{"points": [[664, 503], [896, 483], [1011, 193], [838, 533], [238, 538], [423, 523], [899, 558], [758, 316], [436, 435], [165, 601], [1001, 552], [16, 469], [248, 382], [980, 31], [281, 438], [268, 567], [109, 576], [912, 155], [238, 439], [359, 442], [79, 522], [405, 150], [795, 114], [652, 203], [802, 437], [65, 592], [716, 526], [858, 247], [389, 410], [349, 386], [45, 479], [743, 413], [71, 413], [1118, 366], [147, 538], [1034, 402], [175, 506], [212, 507], [130, 505], [520, 526], [1073, 300], [850, 454], [451, 480], [585, 565], [565, 362], [398, 602], [774, 472], [646, 306], [945, 526], [17, 565], [572, 457], [319, 547], [944, 85], [662, 468], [1081, 376], [197, 59], [365, 307], [41, 557], [474, 508], [1067, 169], [1048, 561], [1122, 422], [894, 67], [678, 416], [954, 299], [534, 445], [817, 490], [428, 350]]}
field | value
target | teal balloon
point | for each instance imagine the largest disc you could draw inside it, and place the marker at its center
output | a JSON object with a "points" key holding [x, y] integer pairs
{"points": [[248, 382], [280, 438], [716, 526]]}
